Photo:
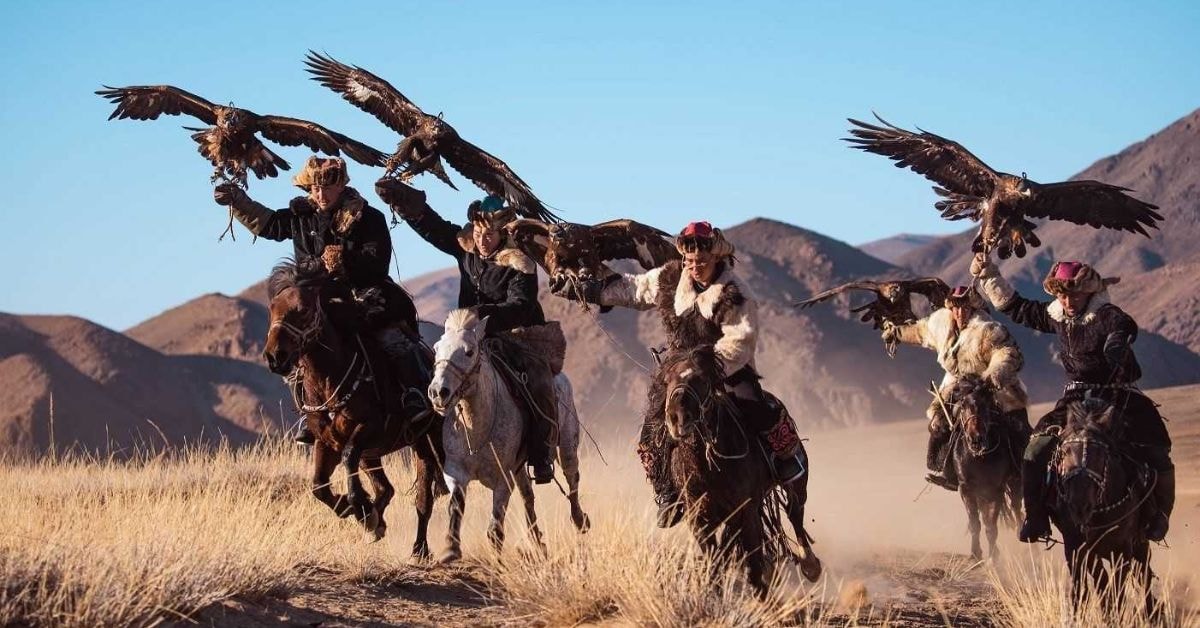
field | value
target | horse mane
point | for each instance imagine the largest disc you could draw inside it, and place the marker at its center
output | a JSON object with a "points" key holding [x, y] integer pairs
{"points": [[461, 318], [290, 274], [1089, 413], [703, 356]]}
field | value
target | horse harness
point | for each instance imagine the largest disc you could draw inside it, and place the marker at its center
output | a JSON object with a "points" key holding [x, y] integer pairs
{"points": [[1100, 479]]}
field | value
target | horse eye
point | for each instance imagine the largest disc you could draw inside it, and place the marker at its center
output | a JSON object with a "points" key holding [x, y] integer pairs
{"points": [[469, 353]]}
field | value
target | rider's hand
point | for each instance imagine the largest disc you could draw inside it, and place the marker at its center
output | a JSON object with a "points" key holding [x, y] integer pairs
{"points": [[981, 264], [404, 199], [890, 333], [228, 194]]}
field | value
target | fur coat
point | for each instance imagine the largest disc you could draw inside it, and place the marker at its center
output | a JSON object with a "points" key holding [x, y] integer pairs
{"points": [[983, 348]]}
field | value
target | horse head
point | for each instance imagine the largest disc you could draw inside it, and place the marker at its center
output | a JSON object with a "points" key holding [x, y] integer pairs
{"points": [[1083, 458], [457, 359], [972, 404], [303, 311], [692, 383]]}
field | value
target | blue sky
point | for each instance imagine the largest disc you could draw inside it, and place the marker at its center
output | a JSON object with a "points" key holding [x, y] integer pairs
{"points": [[663, 112]]}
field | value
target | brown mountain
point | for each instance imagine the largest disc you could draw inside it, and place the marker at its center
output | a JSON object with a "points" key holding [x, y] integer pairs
{"points": [[891, 249], [1163, 169], [106, 392], [214, 324]]}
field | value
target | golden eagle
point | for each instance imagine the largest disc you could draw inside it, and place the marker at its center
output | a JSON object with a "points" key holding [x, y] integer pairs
{"points": [[573, 253], [1001, 202], [231, 143], [427, 139], [893, 300]]}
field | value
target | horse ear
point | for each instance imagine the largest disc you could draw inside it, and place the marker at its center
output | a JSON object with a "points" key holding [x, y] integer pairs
{"points": [[482, 324]]}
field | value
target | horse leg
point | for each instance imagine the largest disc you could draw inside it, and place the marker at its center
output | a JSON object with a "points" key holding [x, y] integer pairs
{"points": [[991, 521], [750, 542], [526, 490], [569, 459], [501, 493], [458, 501], [1141, 561], [797, 498], [383, 490], [972, 504], [325, 460], [425, 463], [355, 492]]}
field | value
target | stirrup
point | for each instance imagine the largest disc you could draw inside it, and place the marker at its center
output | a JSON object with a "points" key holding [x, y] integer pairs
{"points": [[787, 469], [938, 479]]}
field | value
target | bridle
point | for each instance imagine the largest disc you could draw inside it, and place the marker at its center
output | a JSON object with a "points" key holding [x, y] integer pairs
{"points": [[467, 376], [359, 365], [1086, 438], [705, 406]]}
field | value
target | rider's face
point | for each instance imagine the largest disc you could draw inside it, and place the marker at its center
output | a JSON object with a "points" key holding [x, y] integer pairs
{"points": [[1073, 303], [326, 196], [486, 240], [701, 265], [961, 314]]}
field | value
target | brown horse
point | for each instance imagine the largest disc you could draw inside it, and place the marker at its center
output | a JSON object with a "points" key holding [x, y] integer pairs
{"points": [[1099, 495], [723, 475], [985, 459], [343, 386]]}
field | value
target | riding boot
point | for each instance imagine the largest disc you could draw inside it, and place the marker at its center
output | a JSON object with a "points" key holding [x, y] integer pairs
{"points": [[939, 464], [301, 434], [540, 435], [666, 496], [1037, 521], [787, 463], [1164, 498]]}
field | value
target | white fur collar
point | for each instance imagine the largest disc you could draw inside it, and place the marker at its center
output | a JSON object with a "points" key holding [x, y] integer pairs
{"points": [[1099, 300], [705, 301]]}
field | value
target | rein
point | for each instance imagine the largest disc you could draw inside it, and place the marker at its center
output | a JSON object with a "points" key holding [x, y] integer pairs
{"points": [[706, 405], [1101, 481]]}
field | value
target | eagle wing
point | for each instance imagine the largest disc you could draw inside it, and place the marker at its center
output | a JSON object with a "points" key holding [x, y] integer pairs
{"points": [[1092, 203], [942, 161], [147, 102], [932, 288], [296, 132], [494, 177], [821, 297], [628, 239], [367, 92], [532, 237]]}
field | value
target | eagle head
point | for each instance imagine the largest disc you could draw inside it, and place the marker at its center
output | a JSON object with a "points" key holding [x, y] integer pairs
{"points": [[1023, 187], [230, 118], [892, 292]]}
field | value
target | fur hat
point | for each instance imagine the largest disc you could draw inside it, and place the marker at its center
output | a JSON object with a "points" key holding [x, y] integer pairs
{"points": [[1075, 277], [696, 233], [321, 171], [965, 295], [490, 213]]}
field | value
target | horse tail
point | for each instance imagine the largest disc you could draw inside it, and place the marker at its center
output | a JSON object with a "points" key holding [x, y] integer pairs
{"points": [[776, 542]]}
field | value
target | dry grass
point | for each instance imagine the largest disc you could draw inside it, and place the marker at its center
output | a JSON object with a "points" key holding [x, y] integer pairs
{"points": [[87, 542]]}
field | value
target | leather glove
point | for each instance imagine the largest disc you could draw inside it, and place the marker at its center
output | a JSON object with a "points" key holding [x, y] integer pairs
{"points": [[404, 199], [890, 333], [229, 194], [981, 264], [588, 290]]}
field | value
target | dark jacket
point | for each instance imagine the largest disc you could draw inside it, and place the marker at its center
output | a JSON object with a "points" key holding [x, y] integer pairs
{"points": [[502, 287], [1095, 348], [361, 231]]}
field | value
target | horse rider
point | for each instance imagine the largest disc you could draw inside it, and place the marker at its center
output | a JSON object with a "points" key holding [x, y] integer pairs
{"points": [[967, 342], [700, 302], [1096, 350], [333, 227], [500, 284]]}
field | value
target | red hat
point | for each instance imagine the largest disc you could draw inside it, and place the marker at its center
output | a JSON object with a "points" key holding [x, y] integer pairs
{"points": [[699, 229], [1071, 276]]}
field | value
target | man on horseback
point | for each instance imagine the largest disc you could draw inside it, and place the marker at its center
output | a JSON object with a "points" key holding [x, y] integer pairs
{"points": [[967, 342], [700, 302], [500, 284], [333, 227], [1096, 349]]}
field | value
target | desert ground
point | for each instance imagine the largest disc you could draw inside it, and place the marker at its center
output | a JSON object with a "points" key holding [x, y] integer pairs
{"points": [[232, 538]]}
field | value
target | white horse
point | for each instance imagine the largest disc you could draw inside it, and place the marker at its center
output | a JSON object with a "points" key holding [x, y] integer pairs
{"points": [[483, 431]]}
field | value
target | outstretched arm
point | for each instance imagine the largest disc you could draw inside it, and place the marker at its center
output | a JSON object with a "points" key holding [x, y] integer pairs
{"points": [[1004, 297], [409, 203], [1006, 359], [254, 216]]}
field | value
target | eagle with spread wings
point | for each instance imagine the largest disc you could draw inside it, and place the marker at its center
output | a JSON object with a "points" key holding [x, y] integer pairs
{"points": [[427, 139], [573, 253], [232, 143], [893, 300], [1001, 202]]}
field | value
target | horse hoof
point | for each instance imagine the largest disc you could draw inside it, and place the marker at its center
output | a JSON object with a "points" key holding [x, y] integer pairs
{"points": [[583, 523], [373, 523], [811, 569], [450, 556], [420, 558]]}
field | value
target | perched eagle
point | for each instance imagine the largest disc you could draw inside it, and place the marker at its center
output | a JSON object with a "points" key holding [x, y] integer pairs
{"points": [[572, 252], [427, 139], [1002, 202], [893, 300], [230, 143]]}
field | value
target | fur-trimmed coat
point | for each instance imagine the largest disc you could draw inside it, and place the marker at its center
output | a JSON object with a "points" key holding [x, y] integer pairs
{"points": [[983, 348], [1094, 347], [361, 231], [720, 314], [502, 287]]}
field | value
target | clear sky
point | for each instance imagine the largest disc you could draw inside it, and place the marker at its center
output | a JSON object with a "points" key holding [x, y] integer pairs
{"points": [[663, 112]]}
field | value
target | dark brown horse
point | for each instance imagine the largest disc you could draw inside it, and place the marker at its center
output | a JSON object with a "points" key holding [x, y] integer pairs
{"points": [[1099, 495], [344, 380], [723, 475], [985, 458]]}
